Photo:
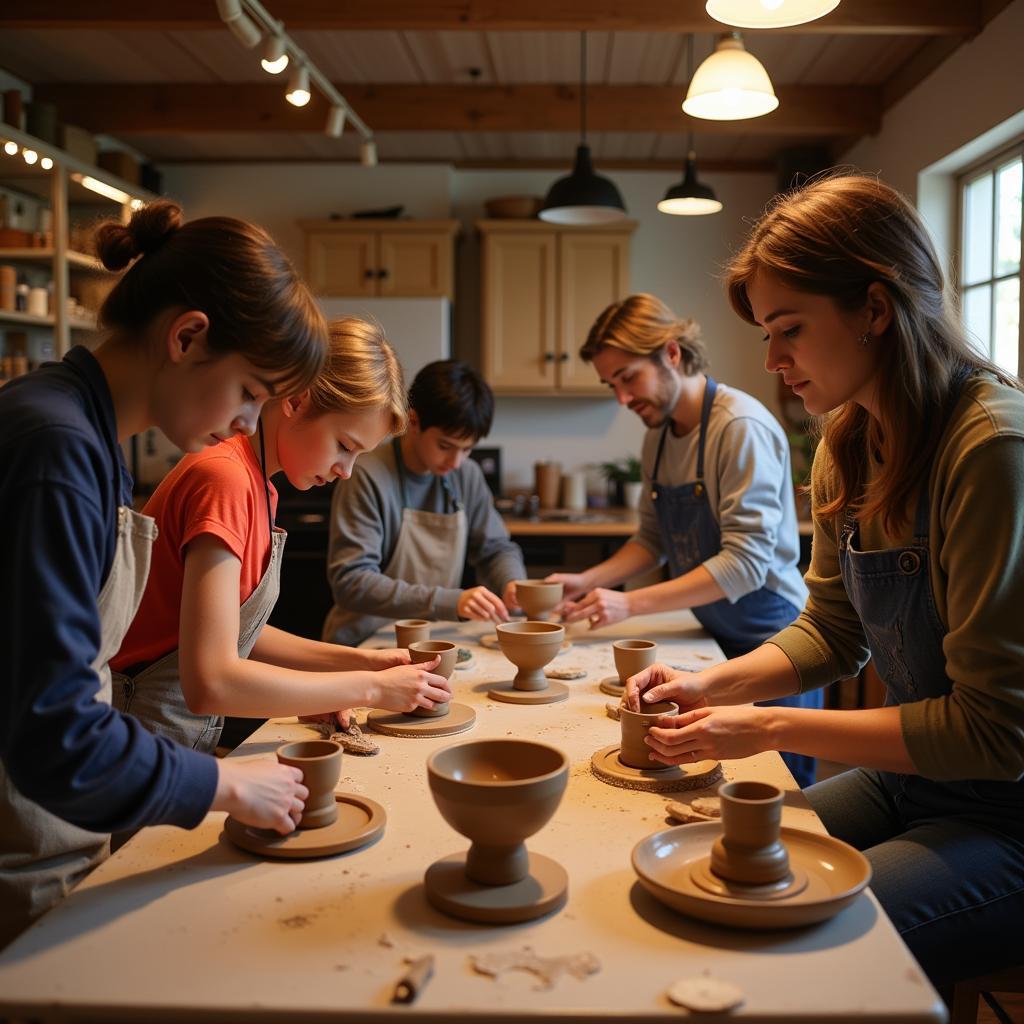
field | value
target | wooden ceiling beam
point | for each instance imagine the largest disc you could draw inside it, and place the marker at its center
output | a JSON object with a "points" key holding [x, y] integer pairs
{"points": [[807, 111], [856, 17]]}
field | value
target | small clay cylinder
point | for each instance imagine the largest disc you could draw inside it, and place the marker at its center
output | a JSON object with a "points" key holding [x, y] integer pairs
{"points": [[634, 753], [537, 598], [632, 656], [320, 762], [547, 480], [428, 650], [411, 631], [749, 851]]}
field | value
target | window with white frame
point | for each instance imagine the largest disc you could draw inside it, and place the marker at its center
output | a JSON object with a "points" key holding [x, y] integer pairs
{"points": [[990, 257]]}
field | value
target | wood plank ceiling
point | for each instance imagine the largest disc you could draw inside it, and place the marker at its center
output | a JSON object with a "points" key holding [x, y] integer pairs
{"points": [[468, 82]]}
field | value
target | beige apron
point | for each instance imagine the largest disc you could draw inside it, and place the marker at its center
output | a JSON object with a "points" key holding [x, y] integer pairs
{"points": [[431, 550], [43, 857], [154, 696]]}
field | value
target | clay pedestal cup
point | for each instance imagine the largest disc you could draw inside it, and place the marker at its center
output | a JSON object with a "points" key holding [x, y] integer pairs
{"points": [[411, 631], [530, 646], [497, 793], [320, 763], [428, 650], [749, 850], [634, 753], [537, 598]]}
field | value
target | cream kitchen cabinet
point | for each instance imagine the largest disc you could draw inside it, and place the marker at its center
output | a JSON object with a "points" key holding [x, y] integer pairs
{"points": [[386, 258], [542, 288]]}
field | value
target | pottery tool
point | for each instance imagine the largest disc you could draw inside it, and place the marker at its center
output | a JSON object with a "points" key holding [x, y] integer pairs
{"points": [[415, 979]]}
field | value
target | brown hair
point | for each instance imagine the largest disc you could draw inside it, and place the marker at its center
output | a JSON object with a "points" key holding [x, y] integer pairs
{"points": [[643, 325], [361, 372], [836, 236], [232, 271]]}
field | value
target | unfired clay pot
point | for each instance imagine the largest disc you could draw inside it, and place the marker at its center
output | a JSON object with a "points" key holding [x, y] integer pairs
{"points": [[320, 762], [428, 650], [537, 598], [749, 851], [497, 793], [632, 656], [634, 752], [530, 646], [411, 631]]}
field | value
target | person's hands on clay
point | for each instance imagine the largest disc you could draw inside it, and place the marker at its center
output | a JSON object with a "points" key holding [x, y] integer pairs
{"points": [[716, 733], [387, 657], [336, 719], [659, 682], [602, 607], [481, 604], [573, 586], [411, 686], [260, 793], [509, 598]]}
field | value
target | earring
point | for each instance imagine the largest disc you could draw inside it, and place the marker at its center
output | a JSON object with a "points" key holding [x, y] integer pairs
{"points": [[864, 339]]}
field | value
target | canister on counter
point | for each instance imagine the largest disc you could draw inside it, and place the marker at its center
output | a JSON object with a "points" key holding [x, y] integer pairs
{"points": [[547, 477], [8, 287]]}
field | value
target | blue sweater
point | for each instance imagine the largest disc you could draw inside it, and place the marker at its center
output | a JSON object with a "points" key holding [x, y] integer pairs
{"points": [[62, 478]]}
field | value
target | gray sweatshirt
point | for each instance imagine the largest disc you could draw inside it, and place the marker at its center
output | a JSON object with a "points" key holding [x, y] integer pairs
{"points": [[749, 488], [366, 517]]}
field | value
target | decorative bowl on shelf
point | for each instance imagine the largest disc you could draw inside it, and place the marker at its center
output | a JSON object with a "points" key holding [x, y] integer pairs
{"points": [[513, 207]]}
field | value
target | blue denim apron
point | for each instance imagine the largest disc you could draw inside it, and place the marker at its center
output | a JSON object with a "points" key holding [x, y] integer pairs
{"points": [[690, 535]]}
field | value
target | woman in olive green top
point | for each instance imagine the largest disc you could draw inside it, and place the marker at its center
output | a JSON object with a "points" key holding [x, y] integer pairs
{"points": [[917, 562]]}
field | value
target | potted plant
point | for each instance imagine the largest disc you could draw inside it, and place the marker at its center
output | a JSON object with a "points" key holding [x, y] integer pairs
{"points": [[626, 476]]}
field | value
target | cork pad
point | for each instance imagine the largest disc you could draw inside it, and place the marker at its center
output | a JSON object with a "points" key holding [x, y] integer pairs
{"points": [[460, 718], [360, 820], [605, 764], [508, 694]]}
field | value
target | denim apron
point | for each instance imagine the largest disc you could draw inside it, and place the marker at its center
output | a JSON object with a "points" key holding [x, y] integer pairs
{"points": [[690, 535]]}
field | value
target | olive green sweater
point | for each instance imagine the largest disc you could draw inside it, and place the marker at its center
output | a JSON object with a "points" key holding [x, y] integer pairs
{"points": [[976, 543]]}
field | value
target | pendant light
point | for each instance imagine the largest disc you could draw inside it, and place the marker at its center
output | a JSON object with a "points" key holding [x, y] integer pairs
{"points": [[690, 198], [583, 197], [768, 13], [730, 85]]}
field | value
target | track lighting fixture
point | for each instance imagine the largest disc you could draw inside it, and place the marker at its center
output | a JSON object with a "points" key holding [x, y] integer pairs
{"points": [[275, 56], [298, 93], [242, 27]]}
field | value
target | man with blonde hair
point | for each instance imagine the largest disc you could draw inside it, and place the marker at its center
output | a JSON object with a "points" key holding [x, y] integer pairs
{"points": [[717, 503]]}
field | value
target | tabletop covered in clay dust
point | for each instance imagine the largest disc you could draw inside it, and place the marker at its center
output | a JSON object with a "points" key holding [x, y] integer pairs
{"points": [[182, 922]]}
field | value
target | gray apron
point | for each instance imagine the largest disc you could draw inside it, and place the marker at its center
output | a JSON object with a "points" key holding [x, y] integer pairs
{"points": [[42, 857], [154, 695], [430, 550]]}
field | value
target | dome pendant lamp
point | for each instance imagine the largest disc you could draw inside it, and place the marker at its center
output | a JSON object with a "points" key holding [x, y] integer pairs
{"points": [[583, 197], [730, 85], [768, 13]]}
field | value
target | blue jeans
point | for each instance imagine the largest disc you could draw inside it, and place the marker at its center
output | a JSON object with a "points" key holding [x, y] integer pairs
{"points": [[948, 870]]}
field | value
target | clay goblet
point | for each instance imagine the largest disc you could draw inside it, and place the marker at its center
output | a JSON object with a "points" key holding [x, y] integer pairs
{"points": [[428, 650], [634, 753], [632, 656], [497, 793], [411, 631], [320, 762], [530, 646], [749, 850], [537, 598]]}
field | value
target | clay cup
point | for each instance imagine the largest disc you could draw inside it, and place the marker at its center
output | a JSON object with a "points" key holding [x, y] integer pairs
{"points": [[320, 762], [411, 631], [497, 793], [749, 850], [530, 646], [634, 753], [537, 598], [632, 656], [428, 650]]}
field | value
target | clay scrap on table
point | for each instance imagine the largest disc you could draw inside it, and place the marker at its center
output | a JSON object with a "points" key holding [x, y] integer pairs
{"points": [[567, 672], [705, 994], [548, 969], [351, 739], [703, 808], [612, 709]]}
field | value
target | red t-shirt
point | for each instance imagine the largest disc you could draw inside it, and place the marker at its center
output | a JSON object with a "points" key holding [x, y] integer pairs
{"points": [[217, 491]]}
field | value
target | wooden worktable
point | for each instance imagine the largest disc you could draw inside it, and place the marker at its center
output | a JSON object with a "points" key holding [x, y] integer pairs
{"points": [[604, 522], [183, 924]]}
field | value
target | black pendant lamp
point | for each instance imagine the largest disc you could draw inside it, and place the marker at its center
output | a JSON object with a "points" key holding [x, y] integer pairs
{"points": [[583, 197]]}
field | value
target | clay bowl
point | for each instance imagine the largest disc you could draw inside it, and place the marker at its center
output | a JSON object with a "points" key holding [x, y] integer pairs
{"points": [[320, 763], [497, 793], [411, 631], [428, 650], [530, 646], [513, 207], [537, 598]]}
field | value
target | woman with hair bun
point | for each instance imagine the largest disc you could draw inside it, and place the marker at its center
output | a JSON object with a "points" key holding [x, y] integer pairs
{"points": [[208, 322], [917, 496]]}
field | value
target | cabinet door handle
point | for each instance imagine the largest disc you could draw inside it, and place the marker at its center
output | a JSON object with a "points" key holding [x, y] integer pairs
{"points": [[564, 357], [382, 273], [549, 357], [369, 273]]}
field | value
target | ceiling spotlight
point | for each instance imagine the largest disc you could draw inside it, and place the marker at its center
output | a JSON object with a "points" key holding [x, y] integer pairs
{"points": [[335, 122], [275, 56], [242, 27], [11, 148], [730, 85], [298, 87], [30, 155], [46, 163], [368, 153], [768, 13]]}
